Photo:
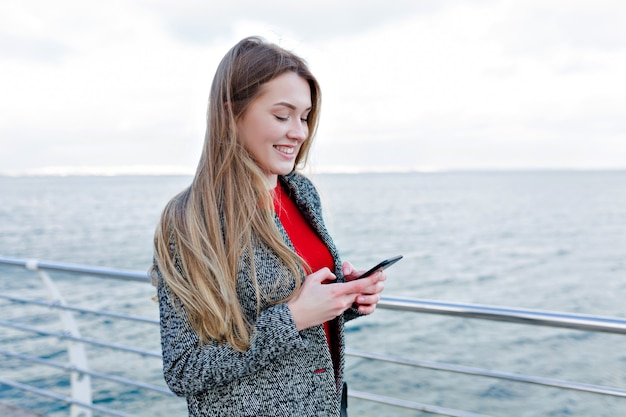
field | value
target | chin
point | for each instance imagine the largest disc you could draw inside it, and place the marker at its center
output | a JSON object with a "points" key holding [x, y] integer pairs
{"points": [[284, 170]]}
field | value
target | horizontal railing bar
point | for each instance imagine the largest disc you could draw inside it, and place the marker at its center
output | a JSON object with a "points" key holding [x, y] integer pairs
{"points": [[507, 314], [34, 264], [596, 389], [63, 398], [57, 305], [67, 336], [432, 409], [70, 368]]}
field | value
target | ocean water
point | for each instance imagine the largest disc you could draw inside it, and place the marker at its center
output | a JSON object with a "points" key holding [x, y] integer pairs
{"points": [[542, 240]]}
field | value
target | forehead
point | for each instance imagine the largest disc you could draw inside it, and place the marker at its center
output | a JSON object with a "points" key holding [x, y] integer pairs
{"points": [[287, 88]]}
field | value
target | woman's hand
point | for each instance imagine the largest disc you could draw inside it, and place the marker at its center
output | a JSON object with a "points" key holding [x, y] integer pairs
{"points": [[368, 299], [317, 302]]}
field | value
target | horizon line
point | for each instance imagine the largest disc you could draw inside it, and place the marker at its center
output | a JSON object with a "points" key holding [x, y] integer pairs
{"points": [[142, 170]]}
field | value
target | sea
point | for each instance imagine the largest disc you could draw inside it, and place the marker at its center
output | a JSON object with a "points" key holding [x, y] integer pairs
{"points": [[547, 240]]}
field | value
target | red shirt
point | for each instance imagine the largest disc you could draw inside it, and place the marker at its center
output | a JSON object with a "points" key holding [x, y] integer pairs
{"points": [[305, 240]]}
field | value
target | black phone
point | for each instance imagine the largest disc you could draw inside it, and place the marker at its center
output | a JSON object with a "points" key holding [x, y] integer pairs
{"points": [[382, 265]]}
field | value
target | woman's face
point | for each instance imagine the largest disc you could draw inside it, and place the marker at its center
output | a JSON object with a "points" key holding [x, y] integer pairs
{"points": [[274, 125]]}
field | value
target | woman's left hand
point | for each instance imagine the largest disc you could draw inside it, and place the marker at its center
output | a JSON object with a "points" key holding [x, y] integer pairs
{"points": [[366, 302]]}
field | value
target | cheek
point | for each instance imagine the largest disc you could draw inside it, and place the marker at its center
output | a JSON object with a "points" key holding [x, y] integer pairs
{"points": [[247, 133]]}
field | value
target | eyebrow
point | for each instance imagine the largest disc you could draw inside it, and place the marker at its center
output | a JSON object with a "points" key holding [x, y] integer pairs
{"points": [[289, 105]]}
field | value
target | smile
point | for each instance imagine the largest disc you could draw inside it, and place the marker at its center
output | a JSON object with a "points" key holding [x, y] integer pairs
{"points": [[284, 149]]}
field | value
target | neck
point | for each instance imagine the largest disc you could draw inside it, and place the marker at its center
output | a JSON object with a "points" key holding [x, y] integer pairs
{"points": [[271, 181]]}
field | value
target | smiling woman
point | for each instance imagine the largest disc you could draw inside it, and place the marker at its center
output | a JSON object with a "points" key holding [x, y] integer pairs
{"points": [[242, 256]]}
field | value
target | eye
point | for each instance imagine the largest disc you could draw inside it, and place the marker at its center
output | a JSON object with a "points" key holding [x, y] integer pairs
{"points": [[282, 119]]}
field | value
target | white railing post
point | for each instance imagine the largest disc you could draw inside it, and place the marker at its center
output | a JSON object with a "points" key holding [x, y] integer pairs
{"points": [[80, 383]]}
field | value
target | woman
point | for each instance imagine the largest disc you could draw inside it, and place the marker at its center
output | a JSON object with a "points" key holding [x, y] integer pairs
{"points": [[249, 326]]}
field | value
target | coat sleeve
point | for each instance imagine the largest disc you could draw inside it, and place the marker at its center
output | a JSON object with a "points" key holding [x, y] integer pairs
{"points": [[190, 367]]}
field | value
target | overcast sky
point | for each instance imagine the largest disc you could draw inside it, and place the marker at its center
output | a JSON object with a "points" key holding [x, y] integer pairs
{"points": [[426, 85]]}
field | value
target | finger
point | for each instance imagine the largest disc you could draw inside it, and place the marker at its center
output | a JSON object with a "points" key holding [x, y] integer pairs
{"points": [[367, 309], [356, 286], [374, 289], [347, 268], [382, 276], [379, 276], [368, 299], [322, 275], [349, 272]]}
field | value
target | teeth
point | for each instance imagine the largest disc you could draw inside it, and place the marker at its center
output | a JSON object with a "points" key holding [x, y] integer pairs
{"points": [[284, 149]]}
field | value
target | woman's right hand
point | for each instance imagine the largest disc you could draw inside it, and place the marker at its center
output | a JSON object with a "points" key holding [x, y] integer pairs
{"points": [[317, 302]]}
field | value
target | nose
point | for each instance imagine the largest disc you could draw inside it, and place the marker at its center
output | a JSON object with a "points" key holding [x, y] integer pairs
{"points": [[298, 130]]}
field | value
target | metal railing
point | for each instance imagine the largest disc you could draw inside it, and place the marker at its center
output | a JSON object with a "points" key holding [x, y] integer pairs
{"points": [[82, 404]]}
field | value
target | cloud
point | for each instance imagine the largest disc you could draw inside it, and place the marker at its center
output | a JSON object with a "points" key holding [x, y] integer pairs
{"points": [[31, 48], [203, 22], [543, 27], [458, 95], [417, 84]]}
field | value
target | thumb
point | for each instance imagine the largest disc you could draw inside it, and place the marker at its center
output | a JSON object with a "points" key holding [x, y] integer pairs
{"points": [[355, 286]]}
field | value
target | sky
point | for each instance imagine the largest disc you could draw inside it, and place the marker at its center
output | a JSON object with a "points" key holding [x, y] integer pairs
{"points": [[122, 86]]}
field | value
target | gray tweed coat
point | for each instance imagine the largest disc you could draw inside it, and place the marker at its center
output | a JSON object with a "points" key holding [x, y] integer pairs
{"points": [[284, 372]]}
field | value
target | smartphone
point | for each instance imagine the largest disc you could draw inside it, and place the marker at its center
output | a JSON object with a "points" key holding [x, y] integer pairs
{"points": [[382, 265]]}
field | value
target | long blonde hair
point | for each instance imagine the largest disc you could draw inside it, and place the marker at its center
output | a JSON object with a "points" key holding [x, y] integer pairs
{"points": [[228, 206]]}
